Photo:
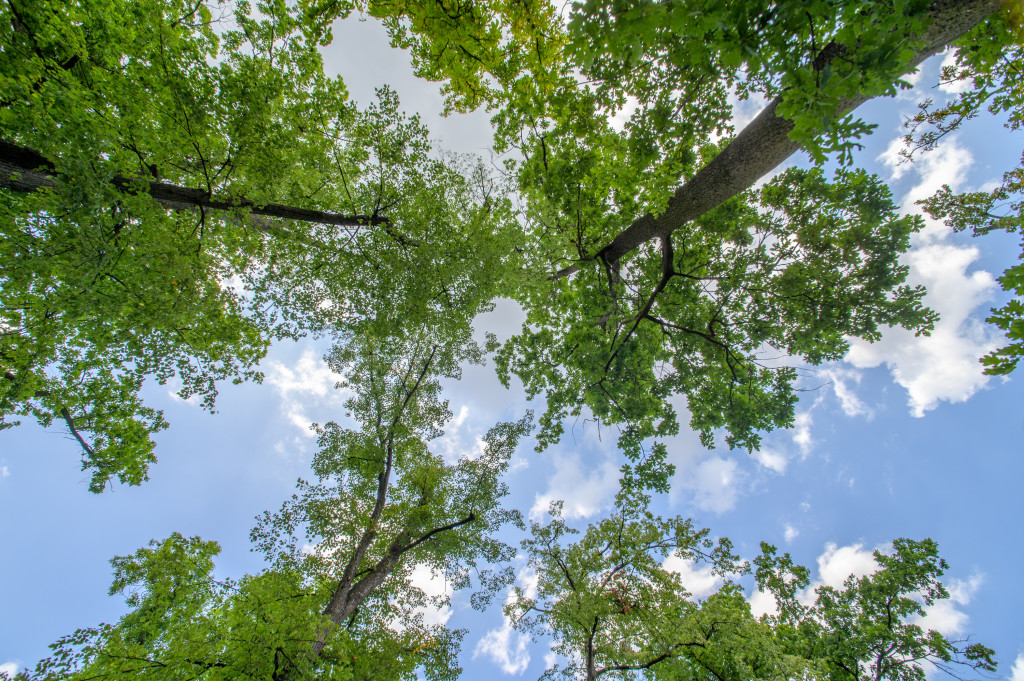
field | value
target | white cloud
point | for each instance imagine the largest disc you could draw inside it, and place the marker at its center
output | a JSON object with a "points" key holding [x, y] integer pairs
{"points": [[619, 120], [805, 506], [743, 112], [947, 164], [802, 432], [944, 616], [504, 646], [837, 563], [1017, 673], [776, 456], [714, 482], [9, 668], [763, 603], [456, 442], [850, 403], [174, 387], [944, 365], [914, 77], [790, 534], [585, 490], [893, 158], [957, 86], [701, 582], [4, 473], [307, 383], [769, 458], [436, 587]]}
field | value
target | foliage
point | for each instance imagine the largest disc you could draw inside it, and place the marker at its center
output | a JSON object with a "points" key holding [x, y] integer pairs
{"points": [[103, 285], [385, 503], [615, 606], [612, 608], [337, 603], [154, 235], [184, 623], [240, 107], [697, 310], [812, 263], [870, 628]]}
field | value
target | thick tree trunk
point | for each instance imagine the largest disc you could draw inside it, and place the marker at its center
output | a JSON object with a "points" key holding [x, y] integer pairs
{"points": [[765, 143], [26, 170]]}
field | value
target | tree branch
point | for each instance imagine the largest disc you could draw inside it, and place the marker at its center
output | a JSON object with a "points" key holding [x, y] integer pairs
{"points": [[438, 530], [26, 170]]}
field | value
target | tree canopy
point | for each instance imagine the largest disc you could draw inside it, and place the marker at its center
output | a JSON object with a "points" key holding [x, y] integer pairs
{"points": [[182, 185]]}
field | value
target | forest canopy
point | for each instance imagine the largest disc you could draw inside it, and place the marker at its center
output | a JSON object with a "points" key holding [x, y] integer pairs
{"points": [[182, 185]]}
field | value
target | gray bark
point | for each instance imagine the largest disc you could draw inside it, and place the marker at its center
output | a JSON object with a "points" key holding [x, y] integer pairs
{"points": [[765, 142]]}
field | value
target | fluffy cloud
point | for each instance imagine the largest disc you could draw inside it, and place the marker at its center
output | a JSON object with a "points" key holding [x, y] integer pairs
{"points": [[944, 365], [504, 646], [436, 587], [9, 668], [944, 616], [837, 563], [1017, 672], [802, 432], [306, 384], [893, 158], [4, 472], [790, 534], [776, 456], [699, 581], [770, 458], [957, 86], [947, 164], [762, 603], [585, 490], [457, 442], [715, 484]]}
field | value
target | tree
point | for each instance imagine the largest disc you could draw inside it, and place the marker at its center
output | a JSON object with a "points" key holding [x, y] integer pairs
{"points": [[869, 629], [616, 610], [989, 69], [242, 135], [242, 200], [141, 235], [613, 610], [336, 600], [656, 270]]}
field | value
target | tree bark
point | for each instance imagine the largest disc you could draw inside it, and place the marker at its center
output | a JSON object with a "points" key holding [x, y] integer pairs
{"points": [[26, 170], [349, 595], [765, 142]]}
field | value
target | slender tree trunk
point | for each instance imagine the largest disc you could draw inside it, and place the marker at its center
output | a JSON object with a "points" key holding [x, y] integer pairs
{"points": [[765, 142]]}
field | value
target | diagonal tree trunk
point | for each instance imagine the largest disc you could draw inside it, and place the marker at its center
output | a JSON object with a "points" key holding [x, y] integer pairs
{"points": [[765, 142]]}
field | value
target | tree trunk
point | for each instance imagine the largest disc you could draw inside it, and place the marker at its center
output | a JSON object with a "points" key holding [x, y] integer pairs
{"points": [[765, 143]]}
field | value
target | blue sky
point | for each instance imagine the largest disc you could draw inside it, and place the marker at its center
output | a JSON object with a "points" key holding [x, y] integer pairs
{"points": [[904, 438]]}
